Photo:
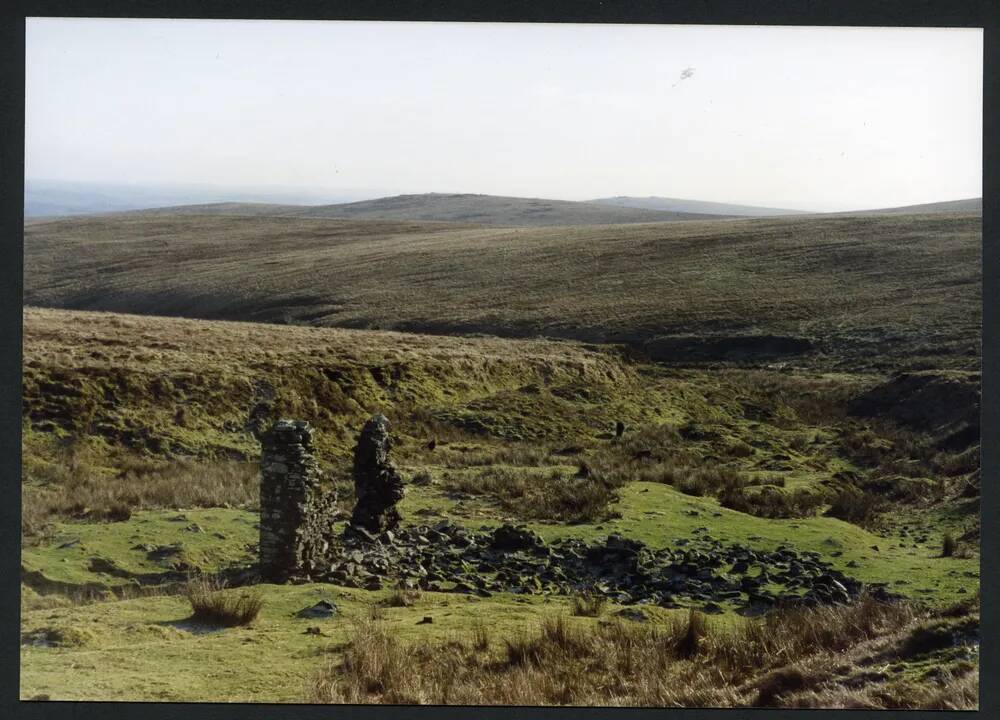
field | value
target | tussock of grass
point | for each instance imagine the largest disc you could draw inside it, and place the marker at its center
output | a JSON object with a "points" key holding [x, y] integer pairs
{"points": [[587, 604], [938, 634], [690, 642], [401, 597], [421, 478], [67, 637], [212, 605]]}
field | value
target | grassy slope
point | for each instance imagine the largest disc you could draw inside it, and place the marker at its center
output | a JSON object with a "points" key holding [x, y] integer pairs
{"points": [[872, 289], [489, 402], [142, 649], [968, 205], [146, 651]]}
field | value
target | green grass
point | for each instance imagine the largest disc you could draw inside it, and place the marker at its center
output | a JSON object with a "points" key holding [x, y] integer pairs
{"points": [[67, 557], [506, 415], [146, 650], [656, 514]]}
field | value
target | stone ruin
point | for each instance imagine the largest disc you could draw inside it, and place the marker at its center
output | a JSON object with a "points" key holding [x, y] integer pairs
{"points": [[377, 484], [298, 542], [297, 516]]}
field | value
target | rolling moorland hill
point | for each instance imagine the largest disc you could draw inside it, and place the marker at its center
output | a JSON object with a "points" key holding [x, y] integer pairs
{"points": [[695, 206], [968, 205], [848, 291], [53, 198], [463, 208]]}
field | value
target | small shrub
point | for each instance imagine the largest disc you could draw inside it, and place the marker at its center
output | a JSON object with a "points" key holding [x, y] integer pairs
{"points": [[854, 505], [214, 606], [949, 545], [690, 486]]}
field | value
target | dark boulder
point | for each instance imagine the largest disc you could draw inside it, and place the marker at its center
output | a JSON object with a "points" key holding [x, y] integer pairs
{"points": [[508, 537]]}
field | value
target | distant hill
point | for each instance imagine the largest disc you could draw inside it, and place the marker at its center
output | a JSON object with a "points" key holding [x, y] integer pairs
{"points": [[969, 205], [495, 210], [239, 209], [491, 210], [59, 198], [694, 206]]}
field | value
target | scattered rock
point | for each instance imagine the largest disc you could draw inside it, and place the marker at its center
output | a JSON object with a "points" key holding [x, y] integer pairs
{"points": [[322, 609], [508, 537]]}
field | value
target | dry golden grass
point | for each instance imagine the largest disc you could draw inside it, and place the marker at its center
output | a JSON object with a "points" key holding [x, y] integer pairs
{"points": [[74, 485], [402, 597], [856, 279], [547, 494], [588, 604], [795, 657], [212, 605]]}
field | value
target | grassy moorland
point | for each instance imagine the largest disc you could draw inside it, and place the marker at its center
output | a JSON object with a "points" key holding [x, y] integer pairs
{"points": [[140, 470], [846, 292]]}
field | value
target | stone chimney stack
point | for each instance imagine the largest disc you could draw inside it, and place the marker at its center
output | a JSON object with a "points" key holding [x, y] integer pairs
{"points": [[296, 516]]}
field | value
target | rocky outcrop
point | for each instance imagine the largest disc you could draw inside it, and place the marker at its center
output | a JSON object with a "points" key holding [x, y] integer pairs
{"points": [[377, 484]]}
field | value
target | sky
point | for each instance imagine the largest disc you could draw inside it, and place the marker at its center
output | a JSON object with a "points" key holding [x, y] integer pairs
{"points": [[807, 118]]}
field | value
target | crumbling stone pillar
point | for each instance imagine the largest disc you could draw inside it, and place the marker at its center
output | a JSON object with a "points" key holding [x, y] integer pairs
{"points": [[296, 515], [377, 483]]}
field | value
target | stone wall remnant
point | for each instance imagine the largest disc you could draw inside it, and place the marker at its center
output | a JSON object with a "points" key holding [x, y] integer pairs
{"points": [[296, 514], [377, 484]]}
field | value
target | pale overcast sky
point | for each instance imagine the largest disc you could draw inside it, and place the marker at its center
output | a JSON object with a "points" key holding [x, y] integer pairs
{"points": [[811, 118]]}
